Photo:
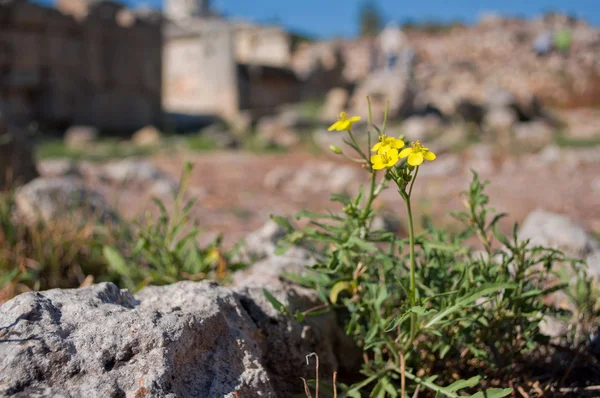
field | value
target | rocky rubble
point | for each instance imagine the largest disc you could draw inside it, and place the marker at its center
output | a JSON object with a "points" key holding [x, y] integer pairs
{"points": [[183, 340], [141, 173]]}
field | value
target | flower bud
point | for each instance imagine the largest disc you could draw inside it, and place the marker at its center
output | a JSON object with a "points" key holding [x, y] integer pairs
{"points": [[335, 149]]}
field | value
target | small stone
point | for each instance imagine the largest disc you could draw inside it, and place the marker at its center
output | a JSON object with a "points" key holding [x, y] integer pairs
{"points": [[80, 137], [147, 136]]}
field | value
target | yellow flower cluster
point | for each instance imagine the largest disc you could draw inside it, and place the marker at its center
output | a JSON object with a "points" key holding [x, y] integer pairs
{"points": [[386, 149]]}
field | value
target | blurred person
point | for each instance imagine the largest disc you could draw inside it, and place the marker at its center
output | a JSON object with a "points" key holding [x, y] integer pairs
{"points": [[391, 42], [542, 45]]}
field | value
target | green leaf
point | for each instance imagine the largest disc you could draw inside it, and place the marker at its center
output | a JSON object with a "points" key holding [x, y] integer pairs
{"points": [[116, 261], [467, 300], [9, 277], [275, 303], [299, 316], [310, 214], [492, 393], [338, 288], [283, 223], [461, 384]]}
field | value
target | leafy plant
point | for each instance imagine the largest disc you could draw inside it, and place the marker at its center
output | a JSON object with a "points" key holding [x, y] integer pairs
{"points": [[431, 311], [167, 250]]}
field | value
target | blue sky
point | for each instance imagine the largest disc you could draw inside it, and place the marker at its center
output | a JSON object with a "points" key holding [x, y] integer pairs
{"points": [[329, 18]]}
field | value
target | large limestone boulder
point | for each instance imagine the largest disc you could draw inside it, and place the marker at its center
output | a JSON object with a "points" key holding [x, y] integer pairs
{"points": [[16, 157], [183, 340]]}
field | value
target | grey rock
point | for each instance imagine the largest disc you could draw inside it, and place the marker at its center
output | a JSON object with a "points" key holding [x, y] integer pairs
{"points": [[500, 98], [557, 231], [59, 168], [147, 136], [80, 137], [140, 172], [272, 131], [560, 232], [183, 340], [271, 271], [500, 118], [262, 243], [61, 199], [533, 135], [550, 154], [422, 128], [400, 89], [553, 327]]}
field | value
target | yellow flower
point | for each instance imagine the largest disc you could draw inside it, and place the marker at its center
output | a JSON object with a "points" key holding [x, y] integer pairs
{"points": [[385, 159], [344, 123], [386, 143], [416, 154]]}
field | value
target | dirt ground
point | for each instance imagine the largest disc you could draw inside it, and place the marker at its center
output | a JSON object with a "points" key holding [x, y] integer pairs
{"points": [[235, 196]]}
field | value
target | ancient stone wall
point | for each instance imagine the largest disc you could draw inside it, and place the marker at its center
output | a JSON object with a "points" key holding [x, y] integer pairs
{"points": [[200, 75], [100, 67], [262, 45]]}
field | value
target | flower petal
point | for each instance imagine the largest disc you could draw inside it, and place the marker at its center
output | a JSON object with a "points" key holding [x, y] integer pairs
{"points": [[354, 119], [397, 143], [376, 147], [429, 155], [333, 126], [415, 159], [344, 125], [405, 152]]}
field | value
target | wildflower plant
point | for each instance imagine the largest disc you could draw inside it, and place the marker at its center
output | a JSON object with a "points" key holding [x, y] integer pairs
{"points": [[430, 311]]}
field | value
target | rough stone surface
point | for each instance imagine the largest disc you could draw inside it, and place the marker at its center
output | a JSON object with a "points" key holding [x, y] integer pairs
{"points": [[60, 199], [183, 340]]}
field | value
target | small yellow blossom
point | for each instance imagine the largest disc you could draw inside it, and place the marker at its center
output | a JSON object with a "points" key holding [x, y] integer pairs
{"points": [[385, 159], [386, 143], [416, 154], [344, 123]]}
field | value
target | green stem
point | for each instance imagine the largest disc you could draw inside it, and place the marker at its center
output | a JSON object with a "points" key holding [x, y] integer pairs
{"points": [[371, 196], [356, 147], [413, 285], [427, 384]]}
